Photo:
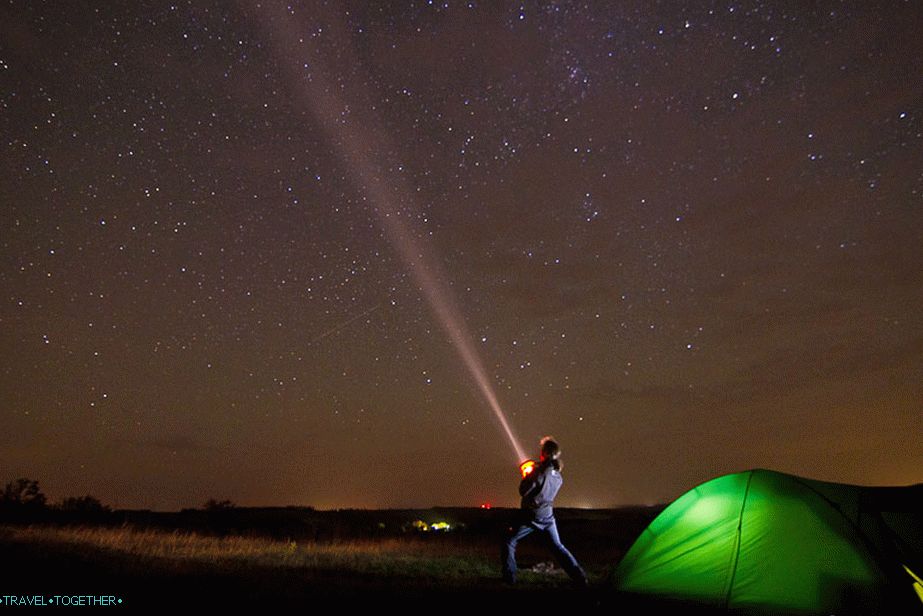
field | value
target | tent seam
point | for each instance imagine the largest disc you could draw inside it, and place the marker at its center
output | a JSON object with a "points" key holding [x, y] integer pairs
{"points": [[736, 558]]}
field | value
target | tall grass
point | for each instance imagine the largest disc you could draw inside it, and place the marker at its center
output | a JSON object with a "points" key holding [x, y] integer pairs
{"points": [[381, 557]]}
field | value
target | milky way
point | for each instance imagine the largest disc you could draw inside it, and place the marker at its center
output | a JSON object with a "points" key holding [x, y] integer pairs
{"points": [[683, 238]]}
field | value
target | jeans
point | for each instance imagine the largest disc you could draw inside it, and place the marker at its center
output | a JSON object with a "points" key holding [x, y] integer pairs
{"points": [[550, 531]]}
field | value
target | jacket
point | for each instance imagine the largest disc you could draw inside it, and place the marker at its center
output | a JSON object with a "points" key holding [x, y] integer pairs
{"points": [[538, 491]]}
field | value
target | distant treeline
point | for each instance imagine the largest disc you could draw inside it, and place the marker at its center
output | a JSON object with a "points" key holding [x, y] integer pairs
{"points": [[23, 502]]}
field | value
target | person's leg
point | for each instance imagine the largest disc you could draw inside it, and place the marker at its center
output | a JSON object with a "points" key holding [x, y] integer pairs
{"points": [[567, 560], [509, 552]]}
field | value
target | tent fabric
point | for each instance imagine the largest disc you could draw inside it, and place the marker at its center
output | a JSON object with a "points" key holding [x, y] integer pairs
{"points": [[761, 541]]}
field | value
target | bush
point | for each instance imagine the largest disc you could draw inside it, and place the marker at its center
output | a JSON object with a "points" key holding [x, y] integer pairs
{"points": [[83, 504], [22, 493], [216, 505]]}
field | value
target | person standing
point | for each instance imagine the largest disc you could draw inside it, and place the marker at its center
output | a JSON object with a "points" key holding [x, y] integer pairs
{"points": [[538, 489]]}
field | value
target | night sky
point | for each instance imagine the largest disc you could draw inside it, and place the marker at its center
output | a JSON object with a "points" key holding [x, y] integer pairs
{"points": [[684, 238]]}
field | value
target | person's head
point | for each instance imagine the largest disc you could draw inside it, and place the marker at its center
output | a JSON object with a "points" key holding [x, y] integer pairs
{"points": [[550, 449]]}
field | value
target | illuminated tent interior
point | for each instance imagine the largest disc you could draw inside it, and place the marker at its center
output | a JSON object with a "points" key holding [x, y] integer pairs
{"points": [[761, 541]]}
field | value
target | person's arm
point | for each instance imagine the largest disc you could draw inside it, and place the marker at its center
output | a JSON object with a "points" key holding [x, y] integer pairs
{"points": [[526, 483], [532, 484]]}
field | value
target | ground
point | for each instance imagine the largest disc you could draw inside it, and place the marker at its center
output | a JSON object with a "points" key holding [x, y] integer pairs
{"points": [[160, 568]]}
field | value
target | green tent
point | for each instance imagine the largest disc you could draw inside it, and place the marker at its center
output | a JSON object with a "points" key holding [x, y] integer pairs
{"points": [[766, 542]]}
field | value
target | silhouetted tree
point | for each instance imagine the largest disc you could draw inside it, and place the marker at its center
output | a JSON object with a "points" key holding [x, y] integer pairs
{"points": [[22, 493], [216, 505], [83, 504]]}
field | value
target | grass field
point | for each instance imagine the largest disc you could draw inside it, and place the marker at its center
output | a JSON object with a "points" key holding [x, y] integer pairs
{"points": [[282, 559], [194, 569], [181, 549]]}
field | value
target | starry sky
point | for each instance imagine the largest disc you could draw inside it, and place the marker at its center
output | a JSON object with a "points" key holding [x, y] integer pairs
{"points": [[684, 238]]}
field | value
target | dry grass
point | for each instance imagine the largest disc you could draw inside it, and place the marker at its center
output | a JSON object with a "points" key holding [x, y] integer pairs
{"points": [[382, 557]]}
